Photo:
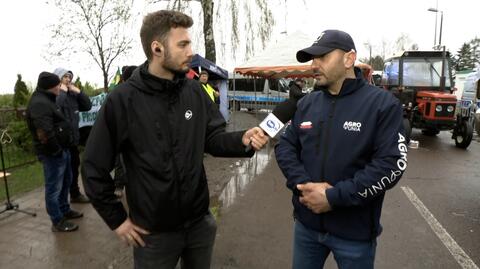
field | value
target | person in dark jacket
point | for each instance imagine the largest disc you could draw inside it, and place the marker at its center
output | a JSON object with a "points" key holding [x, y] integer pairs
{"points": [[52, 136], [344, 149], [161, 123], [296, 89], [71, 101], [119, 174]]}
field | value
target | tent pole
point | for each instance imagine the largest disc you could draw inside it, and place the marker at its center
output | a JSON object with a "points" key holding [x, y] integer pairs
{"points": [[233, 102], [255, 92]]}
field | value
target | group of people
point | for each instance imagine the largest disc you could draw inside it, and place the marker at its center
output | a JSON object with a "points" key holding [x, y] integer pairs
{"points": [[343, 149], [53, 117]]}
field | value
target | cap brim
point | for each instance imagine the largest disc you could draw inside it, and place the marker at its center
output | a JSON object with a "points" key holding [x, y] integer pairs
{"points": [[307, 54]]}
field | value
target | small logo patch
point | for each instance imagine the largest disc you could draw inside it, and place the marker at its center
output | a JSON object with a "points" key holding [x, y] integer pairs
{"points": [[306, 125], [352, 126], [188, 114], [319, 37]]}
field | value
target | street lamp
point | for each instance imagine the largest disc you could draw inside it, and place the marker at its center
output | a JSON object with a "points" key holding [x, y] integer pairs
{"points": [[436, 10]]}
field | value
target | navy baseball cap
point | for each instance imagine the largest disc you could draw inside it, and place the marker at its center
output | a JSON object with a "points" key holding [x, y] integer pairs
{"points": [[327, 41]]}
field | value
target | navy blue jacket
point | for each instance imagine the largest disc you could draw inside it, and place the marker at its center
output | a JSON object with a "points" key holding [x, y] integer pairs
{"points": [[355, 142]]}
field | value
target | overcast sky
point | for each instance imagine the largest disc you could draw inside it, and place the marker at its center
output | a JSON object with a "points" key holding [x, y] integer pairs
{"points": [[24, 33]]}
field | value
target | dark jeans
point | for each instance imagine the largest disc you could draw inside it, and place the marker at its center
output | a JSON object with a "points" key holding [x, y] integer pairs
{"points": [[194, 245], [75, 163], [58, 176], [311, 249]]}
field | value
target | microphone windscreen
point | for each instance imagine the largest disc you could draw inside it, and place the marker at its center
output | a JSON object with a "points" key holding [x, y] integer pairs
{"points": [[285, 110]]}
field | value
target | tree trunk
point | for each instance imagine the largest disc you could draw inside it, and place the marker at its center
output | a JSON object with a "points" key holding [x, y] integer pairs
{"points": [[105, 81], [207, 7]]}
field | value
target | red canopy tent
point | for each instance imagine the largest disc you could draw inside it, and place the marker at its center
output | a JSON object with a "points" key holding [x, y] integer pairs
{"points": [[279, 60]]}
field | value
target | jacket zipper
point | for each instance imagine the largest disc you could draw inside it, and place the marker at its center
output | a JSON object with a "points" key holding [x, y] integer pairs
{"points": [[327, 135], [175, 169]]}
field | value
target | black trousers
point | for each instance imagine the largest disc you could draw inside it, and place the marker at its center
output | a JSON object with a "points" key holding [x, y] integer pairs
{"points": [[193, 245], [75, 163]]}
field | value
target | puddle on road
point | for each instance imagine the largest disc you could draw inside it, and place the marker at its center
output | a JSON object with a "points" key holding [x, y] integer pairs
{"points": [[245, 172]]}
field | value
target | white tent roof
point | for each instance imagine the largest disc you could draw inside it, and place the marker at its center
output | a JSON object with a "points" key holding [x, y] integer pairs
{"points": [[279, 59]]}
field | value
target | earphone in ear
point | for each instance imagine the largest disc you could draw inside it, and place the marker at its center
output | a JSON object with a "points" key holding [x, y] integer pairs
{"points": [[157, 49]]}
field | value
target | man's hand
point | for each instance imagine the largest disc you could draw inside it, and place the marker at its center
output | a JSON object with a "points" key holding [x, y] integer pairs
{"points": [[255, 137], [130, 233], [73, 88], [314, 196], [64, 87]]}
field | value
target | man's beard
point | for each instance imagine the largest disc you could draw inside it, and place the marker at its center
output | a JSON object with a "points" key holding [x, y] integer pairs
{"points": [[170, 66]]}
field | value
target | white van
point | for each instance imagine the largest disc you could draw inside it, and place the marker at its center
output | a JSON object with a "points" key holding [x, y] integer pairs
{"points": [[471, 96]]}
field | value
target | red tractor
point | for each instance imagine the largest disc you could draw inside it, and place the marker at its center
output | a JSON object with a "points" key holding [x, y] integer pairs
{"points": [[422, 81]]}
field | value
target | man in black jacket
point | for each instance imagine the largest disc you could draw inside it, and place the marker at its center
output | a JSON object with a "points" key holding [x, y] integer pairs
{"points": [[52, 135], [161, 123], [71, 101], [296, 89]]}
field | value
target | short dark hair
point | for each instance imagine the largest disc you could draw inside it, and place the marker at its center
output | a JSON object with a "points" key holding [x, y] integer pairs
{"points": [[204, 73], [157, 25], [127, 71]]}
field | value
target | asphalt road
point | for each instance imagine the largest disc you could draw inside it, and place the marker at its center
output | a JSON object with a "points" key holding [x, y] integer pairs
{"points": [[431, 218]]}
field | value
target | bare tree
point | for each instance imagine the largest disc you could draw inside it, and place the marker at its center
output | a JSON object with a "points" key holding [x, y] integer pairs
{"points": [[403, 42], [257, 29], [96, 27]]}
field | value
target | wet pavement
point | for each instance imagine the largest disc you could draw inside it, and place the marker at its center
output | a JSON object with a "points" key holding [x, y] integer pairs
{"points": [[27, 242], [255, 217], [256, 230]]}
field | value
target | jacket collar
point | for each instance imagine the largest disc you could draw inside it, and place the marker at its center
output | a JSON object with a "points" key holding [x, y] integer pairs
{"points": [[151, 84], [349, 85], [49, 95]]}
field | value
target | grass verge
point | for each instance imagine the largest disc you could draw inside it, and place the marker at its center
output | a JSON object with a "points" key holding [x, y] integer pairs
{"points": [[22, 179]]}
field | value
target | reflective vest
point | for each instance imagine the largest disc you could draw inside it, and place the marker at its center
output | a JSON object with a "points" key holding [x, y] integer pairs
{"points": [[209, 91]]}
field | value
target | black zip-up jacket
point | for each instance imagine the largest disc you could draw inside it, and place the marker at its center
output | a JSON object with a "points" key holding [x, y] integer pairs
{"points": [[71, 104], [162, 129], [295, 92], [355, 142], [50, 130]]}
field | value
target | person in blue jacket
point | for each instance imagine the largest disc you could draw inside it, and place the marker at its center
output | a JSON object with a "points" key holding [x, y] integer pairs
{"points": [[344, 149]]}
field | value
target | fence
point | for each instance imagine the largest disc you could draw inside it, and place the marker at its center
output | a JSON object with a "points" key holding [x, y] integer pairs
{"points": [[15, 138]]}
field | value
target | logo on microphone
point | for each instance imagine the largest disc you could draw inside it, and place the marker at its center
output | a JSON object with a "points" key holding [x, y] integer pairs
{"points": [[272, 125], [188, 114]]}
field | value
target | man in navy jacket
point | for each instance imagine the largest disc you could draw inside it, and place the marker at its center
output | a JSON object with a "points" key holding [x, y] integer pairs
{"points": [[344, 149]]}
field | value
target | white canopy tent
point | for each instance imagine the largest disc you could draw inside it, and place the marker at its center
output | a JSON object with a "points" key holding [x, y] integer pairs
{"points": [[278, 60]]}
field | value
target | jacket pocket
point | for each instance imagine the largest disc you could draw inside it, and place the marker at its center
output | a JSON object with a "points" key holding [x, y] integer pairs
{"points": [[64, 134]]}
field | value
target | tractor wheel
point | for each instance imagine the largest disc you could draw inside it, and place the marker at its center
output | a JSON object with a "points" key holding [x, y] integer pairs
{"points": [[464, 135], [430, 132], [408, 129]]}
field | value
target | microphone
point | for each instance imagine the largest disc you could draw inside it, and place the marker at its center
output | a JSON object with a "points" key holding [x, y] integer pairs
{"points": [[274, 122]]}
